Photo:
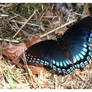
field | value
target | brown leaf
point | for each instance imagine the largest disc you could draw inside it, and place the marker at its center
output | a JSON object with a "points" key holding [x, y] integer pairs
{"points": [[36, 70], [32, 40], [14, 51]]}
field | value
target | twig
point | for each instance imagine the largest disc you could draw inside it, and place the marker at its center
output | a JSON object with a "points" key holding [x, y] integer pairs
{"points": [[4, 15], [15, 41], [24, 24], [30, 24], [80, 77], [13, 17], [50, 16], [79, 14], [17, 28], [18, 15], [58, 28], [29, 70]]}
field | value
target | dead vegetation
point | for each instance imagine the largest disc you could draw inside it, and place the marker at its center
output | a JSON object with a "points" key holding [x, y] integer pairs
{"points": [[20, 21]]}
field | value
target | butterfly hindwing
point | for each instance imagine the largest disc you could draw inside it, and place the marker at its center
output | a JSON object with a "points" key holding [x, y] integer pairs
{"points": [[51, 54]]}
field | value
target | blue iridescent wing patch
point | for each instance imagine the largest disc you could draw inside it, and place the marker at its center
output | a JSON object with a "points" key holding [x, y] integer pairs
{"points": [[72, 50]]}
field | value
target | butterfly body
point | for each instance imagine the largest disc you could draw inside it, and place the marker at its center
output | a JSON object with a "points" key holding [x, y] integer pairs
{"points": [[72, 50]]}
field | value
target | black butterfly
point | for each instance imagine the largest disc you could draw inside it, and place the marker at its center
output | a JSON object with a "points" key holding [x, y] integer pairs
{"points": [[72, 50]]}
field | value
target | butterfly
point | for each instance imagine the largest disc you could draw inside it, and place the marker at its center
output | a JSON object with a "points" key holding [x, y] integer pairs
{"points": [[66, 53]]}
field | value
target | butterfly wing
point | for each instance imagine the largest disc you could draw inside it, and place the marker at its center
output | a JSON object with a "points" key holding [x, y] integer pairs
{"points": [[78, 39], [66, 53], [49, 53]]}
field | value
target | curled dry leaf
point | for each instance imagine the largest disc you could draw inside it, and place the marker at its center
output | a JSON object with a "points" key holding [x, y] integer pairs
{"points": [[14, 52], [32, 40]]}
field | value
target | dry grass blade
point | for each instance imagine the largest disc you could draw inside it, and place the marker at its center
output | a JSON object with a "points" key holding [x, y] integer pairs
{"points": [[14, 41], [24, 24], [11, 80], [29, 72], [8, 78]]}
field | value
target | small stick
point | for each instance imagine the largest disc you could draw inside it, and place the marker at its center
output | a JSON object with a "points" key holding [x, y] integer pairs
{"points": [[29, 71], [15, 41], [30, 24], [4, 15], [80, 77], [13, 17], [78, 14], [50, 16], [58, 28], [24, 24]]}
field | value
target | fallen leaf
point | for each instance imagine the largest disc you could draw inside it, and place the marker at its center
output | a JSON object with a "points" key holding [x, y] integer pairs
{"points": [[35, 68], [15, 53], [32, 40]]}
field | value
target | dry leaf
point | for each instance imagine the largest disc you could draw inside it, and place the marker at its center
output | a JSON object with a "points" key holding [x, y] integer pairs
{"points": [[32, 40], [35, 68], [15, 52]]}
